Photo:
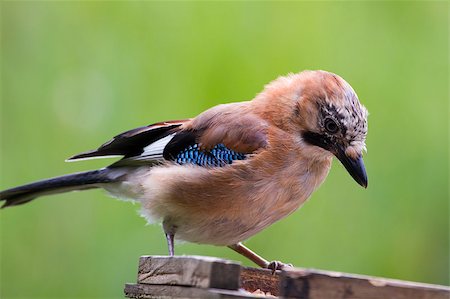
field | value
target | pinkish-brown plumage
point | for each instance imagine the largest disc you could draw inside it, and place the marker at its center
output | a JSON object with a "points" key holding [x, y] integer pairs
{"points": [[283, 142], [226, 205]]}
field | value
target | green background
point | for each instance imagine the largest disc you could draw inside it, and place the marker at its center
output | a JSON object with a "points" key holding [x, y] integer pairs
{"points": [[73, 74]]}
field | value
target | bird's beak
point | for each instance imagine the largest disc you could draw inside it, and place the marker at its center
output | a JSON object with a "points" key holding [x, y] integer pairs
{"points": [[354, 166]]}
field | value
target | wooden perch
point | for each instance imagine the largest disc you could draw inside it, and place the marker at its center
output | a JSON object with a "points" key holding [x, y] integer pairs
{"points": [[191, 271], [206, 277], [316, 284]]}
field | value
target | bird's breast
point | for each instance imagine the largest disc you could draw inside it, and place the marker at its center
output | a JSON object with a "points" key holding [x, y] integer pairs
{"points": [[225, 205]]}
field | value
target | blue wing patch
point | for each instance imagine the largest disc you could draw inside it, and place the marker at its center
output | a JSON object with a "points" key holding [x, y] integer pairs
{"points": [[217, 156]]}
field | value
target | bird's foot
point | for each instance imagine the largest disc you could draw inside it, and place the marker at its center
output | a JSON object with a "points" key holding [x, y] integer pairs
{"points": [[277, 265]]}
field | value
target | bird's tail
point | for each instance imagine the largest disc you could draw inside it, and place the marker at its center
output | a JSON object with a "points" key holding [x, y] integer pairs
{"points": [[77, 181]]}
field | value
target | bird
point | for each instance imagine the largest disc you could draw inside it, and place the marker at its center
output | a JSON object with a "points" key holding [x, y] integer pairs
{"points": [[228, 173]]}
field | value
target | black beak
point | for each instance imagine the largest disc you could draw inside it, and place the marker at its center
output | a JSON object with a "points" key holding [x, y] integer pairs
{"points": [[354, 167]]}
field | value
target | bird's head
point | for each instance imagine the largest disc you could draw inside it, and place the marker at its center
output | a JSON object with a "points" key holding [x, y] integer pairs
{"points": [[324, 110]]}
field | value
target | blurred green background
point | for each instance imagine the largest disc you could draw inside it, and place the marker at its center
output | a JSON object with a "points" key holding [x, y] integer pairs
{"points": [[76, 73]]}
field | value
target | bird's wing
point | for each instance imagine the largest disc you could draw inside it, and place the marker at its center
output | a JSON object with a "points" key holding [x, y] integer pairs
{"points": [[133, 142], [215, 138]]}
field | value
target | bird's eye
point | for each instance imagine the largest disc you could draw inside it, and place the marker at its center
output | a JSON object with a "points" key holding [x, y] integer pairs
{"points": [[331, 126]]}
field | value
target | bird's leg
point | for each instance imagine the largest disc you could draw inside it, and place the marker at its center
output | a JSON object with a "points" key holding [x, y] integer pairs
{"points": [[259, 260], [169, 238], [242, 250], [169, 230]]}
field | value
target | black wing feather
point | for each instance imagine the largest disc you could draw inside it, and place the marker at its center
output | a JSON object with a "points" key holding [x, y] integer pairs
{"points": [[131, 143], [179, 142]]}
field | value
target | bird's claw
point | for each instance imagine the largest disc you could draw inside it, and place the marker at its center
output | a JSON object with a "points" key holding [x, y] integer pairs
{"points": [[277, 265]]}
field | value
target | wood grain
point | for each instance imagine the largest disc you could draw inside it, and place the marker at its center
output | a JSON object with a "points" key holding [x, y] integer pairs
{"points": [[316, 284], [202, 272], [207, 277], [253, 279], [142, 291]]}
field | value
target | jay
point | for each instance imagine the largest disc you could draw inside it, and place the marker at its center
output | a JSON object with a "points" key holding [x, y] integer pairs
{"points": [[233, 170]]}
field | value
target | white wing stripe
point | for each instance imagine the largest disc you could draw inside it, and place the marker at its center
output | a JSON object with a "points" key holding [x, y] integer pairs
{"points": [[156, 149]]}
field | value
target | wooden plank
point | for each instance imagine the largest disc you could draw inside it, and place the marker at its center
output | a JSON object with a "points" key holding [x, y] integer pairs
{"points": [[315, 284], [205, 277], [253, 279], [195, 271], [147, 291]]}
